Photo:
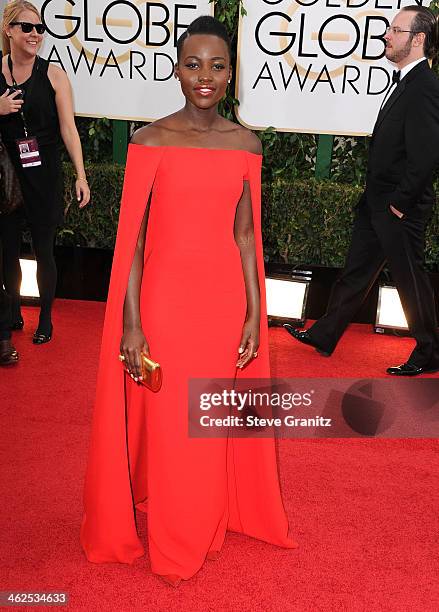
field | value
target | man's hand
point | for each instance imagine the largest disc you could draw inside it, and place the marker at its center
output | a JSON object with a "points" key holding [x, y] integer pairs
{"points": [[396, 212]]}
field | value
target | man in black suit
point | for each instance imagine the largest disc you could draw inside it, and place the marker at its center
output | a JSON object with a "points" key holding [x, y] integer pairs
{"points": [[397, 202]]}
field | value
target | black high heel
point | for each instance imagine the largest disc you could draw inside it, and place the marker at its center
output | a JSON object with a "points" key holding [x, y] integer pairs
{"points": [[18, 324], [40, 338]]}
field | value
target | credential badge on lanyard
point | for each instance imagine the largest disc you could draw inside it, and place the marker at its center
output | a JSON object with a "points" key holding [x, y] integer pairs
{"points": [[28, 150]]}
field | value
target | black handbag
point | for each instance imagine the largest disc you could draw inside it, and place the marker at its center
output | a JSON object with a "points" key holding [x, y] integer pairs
{"points": [[11, 197]]}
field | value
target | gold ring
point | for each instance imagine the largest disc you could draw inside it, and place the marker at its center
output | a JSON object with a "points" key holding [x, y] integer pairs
{"points": [[121, 357]]}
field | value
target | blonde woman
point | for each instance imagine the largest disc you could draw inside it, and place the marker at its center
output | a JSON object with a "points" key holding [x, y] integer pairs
{"points": [[36, 114]]}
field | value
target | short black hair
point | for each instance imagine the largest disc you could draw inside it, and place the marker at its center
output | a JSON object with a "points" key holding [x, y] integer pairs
{"points": [[425, 22], [205, 25]]}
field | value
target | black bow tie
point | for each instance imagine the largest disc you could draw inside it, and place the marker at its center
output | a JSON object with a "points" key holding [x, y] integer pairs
{"points": [[396, 76]]}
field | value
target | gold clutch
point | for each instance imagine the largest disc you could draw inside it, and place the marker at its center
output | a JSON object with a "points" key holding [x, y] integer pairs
{"points": [[151, 372]]}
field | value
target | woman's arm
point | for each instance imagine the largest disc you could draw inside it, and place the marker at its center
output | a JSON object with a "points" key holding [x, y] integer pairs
{"points": [[133, 340], [245, 239], [64, 105]]}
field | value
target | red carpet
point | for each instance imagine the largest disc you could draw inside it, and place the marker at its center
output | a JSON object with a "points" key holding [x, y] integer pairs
{"points": [[365, 512]]}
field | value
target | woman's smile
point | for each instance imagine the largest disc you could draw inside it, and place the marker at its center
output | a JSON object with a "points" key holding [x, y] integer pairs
{"points": [[205, 90]]}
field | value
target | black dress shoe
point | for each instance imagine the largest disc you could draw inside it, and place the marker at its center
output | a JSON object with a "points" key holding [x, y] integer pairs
{"points": [[409, 369], [8, 354], [305, 338], [41, 338]]}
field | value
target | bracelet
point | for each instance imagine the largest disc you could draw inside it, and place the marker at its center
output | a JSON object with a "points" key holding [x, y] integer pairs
{"points": [[80, 178]]}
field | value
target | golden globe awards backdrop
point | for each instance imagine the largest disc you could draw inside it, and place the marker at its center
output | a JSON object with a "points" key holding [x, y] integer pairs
{"points": [[314, 66], [119, 54]]}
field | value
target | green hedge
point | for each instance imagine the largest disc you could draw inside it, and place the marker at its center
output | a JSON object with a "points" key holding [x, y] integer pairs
{"points": [[304, 221], [308, 222], [95, 225]]}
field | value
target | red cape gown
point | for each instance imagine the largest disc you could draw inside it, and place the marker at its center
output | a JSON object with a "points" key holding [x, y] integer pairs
{"points": [[193, 308]]}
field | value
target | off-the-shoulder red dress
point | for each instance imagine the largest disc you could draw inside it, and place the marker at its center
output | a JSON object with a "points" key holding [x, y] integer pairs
{"points": [[193, 307]]}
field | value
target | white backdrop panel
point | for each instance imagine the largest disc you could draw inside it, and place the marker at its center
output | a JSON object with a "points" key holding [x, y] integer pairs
{"points": [[119, 54], [314, 66]]}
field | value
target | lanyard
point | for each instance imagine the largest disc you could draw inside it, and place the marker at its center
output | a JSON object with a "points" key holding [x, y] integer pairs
{"points": [[29, 89]]}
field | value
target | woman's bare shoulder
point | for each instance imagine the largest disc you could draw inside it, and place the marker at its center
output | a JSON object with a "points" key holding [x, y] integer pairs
{"points": [[56, 71], [57, 76], [155, 134], [242, 138], [250, 142]]}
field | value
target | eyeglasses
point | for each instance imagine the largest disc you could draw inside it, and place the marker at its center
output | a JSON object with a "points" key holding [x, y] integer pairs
{"points": [[27, 27], [396, 30]]}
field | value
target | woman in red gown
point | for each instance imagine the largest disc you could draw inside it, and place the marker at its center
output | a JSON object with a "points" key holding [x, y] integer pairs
{"points": [[187, 287]]}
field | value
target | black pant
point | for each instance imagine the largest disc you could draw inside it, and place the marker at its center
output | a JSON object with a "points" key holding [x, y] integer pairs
{"points": [[5, 315], [43, 238], [380, 236], [5, 306]]}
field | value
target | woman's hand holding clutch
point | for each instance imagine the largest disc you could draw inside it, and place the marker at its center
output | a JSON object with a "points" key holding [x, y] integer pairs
{"points": [[248, 347], [132, 344]]}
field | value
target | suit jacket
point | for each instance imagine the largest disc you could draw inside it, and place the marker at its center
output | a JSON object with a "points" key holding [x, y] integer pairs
{"points": [[404, 149]]}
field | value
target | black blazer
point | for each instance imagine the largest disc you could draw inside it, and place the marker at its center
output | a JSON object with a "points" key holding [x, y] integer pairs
{"points": [[404, 149]]}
